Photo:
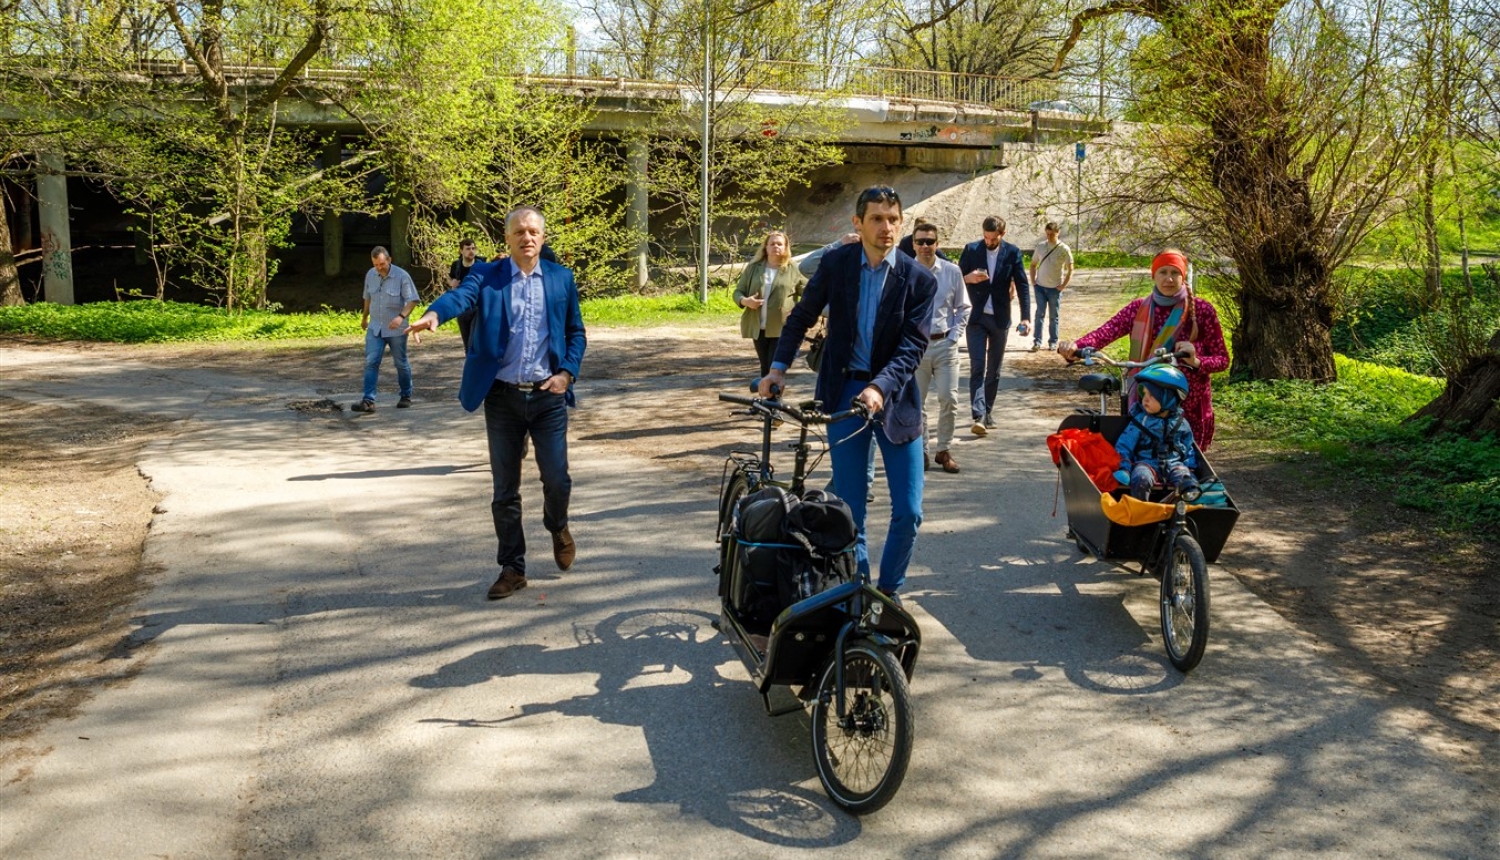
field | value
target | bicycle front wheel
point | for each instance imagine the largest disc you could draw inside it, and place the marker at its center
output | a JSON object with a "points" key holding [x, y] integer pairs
{"points": [[1184, 603], [862, 756]]}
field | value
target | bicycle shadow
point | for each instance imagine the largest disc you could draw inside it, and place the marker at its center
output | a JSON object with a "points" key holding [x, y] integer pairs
{"points": [[1044, 616], [715, 754]]}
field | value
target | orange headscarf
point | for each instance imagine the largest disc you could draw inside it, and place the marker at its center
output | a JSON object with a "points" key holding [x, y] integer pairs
{"points": [[1170, 258]]}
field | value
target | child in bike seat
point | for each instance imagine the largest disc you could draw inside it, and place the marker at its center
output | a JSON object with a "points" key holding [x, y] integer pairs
{"points": [[1156, 446]]}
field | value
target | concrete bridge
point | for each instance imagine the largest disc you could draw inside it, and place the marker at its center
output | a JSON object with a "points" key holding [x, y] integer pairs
{"points": [[898, 119]]}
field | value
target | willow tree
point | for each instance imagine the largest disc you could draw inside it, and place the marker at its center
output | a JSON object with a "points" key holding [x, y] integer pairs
{"points": [[1277, 137]]}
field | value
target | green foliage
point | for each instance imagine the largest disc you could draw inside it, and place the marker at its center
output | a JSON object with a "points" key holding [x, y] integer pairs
{"points": [[170, 322], [1359, 426], [1383, 321], [465, 144]]}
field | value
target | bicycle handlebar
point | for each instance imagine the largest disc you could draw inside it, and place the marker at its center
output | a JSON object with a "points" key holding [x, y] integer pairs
{"points": [[801, 416], [1089, 356]]}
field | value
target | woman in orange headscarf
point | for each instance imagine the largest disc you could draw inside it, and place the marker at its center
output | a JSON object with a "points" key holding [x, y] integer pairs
{"points": [[1174, 318]]}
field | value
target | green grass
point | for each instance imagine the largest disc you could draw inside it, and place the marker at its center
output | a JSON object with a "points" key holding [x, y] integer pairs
{"points": [[1358, 425], [1380, 324], [149, 321], [675, 308], [1097, 259]]}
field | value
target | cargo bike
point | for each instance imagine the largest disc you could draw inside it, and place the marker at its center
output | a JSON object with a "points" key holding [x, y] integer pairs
{"points": [[1172, 536], [800, 617]]}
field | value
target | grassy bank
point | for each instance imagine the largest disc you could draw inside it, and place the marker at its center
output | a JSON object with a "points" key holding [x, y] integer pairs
{"points": [[175, 322]]}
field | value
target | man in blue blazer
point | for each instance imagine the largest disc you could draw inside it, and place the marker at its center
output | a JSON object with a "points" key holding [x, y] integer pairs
{"points": [[879, 304], [992, 269], [523, 356]]}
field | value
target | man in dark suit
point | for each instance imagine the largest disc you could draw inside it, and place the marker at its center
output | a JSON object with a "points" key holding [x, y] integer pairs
{"points": [[879, 304], [992, 269], [524, 353]]}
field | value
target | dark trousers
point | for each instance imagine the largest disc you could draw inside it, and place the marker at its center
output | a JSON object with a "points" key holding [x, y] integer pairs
{"points": [[465, 326], [509, 415], [765, 348], [986, 336]]}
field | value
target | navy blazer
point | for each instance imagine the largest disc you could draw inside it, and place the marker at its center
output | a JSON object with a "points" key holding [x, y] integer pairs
{"points": [[487, 288], [1008, 271], [901, 327]]}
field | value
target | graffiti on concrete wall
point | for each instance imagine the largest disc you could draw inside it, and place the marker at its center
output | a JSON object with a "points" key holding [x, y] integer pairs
{"points": [[934, 134]]}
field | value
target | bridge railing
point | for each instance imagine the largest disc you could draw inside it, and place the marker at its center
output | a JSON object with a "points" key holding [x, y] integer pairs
{"points": [[606, 68], [844, 79]]}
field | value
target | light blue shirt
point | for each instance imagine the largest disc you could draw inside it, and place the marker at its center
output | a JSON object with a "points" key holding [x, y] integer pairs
{"points": [[388, 297], [871, 285], [525, 360]]}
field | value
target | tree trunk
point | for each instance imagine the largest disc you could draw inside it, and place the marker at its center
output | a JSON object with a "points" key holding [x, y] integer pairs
{"points": [[1279, 339], [1471, 402], [1285, 310], [10, 278]]}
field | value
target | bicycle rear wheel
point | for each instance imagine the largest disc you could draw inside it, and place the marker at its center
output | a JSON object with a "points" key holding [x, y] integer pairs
{"points": [[862, 757], [1184, 603], [736, 489]]}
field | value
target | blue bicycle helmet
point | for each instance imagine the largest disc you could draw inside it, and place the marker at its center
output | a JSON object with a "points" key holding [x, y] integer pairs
{"points": [[1166, 383]]}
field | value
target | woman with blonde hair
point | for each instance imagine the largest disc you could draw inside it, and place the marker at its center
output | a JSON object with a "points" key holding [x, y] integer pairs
{"points": [[768, 289]]}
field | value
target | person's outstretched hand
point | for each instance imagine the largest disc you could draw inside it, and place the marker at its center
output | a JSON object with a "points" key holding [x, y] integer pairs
{"points": [[427, 322]]}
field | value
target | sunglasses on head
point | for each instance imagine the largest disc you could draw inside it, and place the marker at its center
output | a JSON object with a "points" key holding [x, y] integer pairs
{"points": [[924, 241]]}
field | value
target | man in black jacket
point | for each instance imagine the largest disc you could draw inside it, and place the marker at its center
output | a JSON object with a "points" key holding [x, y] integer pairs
{"points": [[993, 271]]}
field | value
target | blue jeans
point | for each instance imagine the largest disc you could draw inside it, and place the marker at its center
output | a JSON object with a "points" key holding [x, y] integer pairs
{"points": [[851, 482], [375, 351], [1047, 299], [986, 335], [510, 413]]}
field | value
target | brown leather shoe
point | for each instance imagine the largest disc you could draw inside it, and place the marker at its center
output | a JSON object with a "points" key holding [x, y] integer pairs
{"points": [[945, 460], [510, 581], [563, 549]]}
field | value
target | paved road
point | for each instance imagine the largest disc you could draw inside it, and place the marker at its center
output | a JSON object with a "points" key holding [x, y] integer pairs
{"points": [[321, 676]]}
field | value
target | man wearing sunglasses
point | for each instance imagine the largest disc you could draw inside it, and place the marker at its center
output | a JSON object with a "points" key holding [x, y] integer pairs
{"points": [[941, 364], [879, 304]]}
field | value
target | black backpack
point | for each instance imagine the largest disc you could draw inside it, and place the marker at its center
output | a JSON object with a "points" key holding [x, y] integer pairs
{"points": [[790, 549]]}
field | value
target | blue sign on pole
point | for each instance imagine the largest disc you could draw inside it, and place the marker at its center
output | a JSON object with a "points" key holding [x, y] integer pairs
{"points": [[1078, 151]]}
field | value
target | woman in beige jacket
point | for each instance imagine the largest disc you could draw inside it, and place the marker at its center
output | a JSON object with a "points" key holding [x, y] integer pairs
{"points": [[769, 287]]}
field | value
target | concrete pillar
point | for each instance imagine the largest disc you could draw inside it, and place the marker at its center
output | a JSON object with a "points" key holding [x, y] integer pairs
{"points": [[333, 221], [638, 212], [57, 238], [400, 226]]}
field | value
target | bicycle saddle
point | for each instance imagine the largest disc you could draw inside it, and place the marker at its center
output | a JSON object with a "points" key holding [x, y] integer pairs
{"points": [[1098, 383]]}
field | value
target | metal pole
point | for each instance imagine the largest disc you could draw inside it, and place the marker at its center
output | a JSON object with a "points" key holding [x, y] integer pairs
{"points": [[1078, 212], [703, 179]]}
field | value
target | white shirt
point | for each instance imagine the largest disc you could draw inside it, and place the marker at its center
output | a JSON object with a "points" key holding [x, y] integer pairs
{"points": [[950, 304], [991, 257], [765, 293]]}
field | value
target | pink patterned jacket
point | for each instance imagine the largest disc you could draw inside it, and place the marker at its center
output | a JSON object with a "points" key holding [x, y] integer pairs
{"points": [[1213, 357]]}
